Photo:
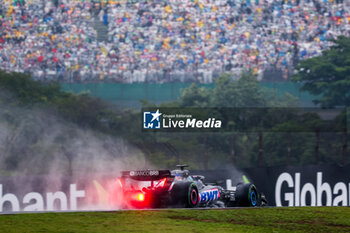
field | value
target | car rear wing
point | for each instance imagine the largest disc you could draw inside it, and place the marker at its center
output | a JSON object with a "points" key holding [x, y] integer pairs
{"points": [[146, 175]]}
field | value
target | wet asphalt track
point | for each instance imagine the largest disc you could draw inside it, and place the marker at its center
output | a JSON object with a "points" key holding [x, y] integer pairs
{"points": [[118, 210]]}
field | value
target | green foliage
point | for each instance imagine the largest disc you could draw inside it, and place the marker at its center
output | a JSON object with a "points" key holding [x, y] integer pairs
{"points": [[195, 96], [28, 91], [241, 149], [216, 150], [244, 92], [81, 109], [328, 75]]}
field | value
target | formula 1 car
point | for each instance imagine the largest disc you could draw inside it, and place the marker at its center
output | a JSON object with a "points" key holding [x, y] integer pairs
{"points": [[165, 189]]}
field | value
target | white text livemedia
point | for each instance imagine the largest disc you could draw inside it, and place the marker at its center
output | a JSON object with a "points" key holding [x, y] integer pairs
{"points": [[191, 123]]}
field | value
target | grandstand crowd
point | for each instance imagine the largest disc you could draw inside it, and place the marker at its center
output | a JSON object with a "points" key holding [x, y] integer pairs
{"points": [[164, 40]]}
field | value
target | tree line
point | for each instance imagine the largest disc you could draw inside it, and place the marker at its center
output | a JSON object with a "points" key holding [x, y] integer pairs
{"points": [[287, 140]]}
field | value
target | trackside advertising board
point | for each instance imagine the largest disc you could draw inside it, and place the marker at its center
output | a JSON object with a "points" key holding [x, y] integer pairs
{"points": [[314, 185], [283, 186]]}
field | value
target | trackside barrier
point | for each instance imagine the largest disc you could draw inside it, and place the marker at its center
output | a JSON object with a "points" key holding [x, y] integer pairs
{"points": [[314, 185]]}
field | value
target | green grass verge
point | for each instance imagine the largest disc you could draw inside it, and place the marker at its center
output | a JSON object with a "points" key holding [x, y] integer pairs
{"points": [[302, 219]]}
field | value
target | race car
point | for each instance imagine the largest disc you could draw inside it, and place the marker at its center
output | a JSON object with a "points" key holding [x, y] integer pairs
{"points": [[177, 188]]}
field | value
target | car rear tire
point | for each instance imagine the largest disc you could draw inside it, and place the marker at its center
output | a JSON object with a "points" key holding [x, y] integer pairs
{"points": [[185, 194], [247, 195]]}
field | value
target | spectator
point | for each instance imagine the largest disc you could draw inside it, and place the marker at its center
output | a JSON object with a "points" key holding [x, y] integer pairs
{"points": [[162, 41]]}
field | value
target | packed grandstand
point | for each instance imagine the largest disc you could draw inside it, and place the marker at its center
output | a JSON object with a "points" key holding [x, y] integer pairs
{"points": [[160, 41]]}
